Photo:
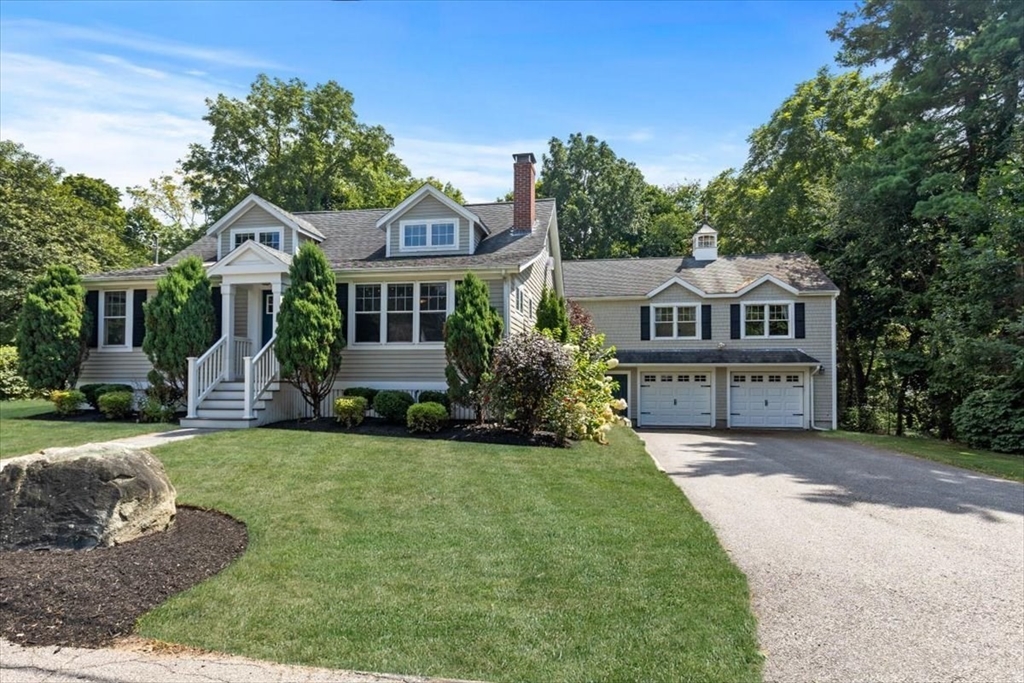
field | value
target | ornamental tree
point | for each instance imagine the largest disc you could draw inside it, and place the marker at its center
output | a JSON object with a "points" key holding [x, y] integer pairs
{"points": [[470, 335], [179, 322], [529, 370], [52, 330], [552, 315], [309, 328]]}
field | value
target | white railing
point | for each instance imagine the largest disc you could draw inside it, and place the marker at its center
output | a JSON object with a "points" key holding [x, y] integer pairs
{"points": [[242, 348], [204, 373], [260, 372]]}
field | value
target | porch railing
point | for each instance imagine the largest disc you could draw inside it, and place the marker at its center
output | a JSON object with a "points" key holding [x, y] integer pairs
{"points": [[204, 373], [242, 349], [260, 372]]}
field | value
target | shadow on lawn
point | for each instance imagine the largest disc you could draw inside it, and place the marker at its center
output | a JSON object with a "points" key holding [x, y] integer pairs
{"points": [[468, 432], [842, 473]]}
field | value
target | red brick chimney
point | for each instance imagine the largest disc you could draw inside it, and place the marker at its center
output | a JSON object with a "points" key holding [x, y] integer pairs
{"points": [[524, 203]]}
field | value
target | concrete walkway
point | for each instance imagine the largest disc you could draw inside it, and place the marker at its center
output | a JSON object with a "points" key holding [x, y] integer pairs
{"points": [[137, 661], [863, 565], [161, 438]]}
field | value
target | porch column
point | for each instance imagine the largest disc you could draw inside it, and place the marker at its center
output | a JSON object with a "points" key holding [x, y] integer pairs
{"points": [[277, 289], [227, 317]]}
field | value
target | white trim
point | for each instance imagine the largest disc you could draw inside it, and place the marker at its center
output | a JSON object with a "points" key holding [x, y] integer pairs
{"points": [[424, 190], [506, 290], [629, 387], [834, 371], [430, 223], [275, 211], [257, 233], [384, 344], [677, 369], [675, 321], [767, 278], [526, 264], [804, 370], [677, 281], [273, 261], [129, 315], [387, 242], [791, 322]]}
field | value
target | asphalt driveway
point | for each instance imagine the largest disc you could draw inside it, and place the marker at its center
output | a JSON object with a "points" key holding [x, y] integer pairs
{"points": [[863, 565]]}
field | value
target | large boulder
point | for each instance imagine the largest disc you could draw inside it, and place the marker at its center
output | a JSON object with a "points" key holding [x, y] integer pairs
{"points": [[75, 498]]}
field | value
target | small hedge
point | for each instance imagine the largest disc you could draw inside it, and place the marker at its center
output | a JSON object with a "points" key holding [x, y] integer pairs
{"points": [[350, 410], [365, 392], [427, 417], [152, 410], [392, 405], [67, 402], [12, 384], [116, 405], [92, 392], [435, 397]]}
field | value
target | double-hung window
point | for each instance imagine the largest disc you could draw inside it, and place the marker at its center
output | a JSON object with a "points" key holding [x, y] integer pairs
{"points": [[270, 237], [427, 235], [243, 237], [115, 319], [368, 313], [433, 309], [767, 320], [400, 311], [675, 322]]}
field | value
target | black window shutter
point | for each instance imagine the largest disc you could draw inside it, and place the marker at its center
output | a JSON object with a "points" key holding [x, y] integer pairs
{"points": [[218, 322], [799, 322], [341, 295], [92, 304], [705, 321], [138, 317], [734, 321], [645, 323]]}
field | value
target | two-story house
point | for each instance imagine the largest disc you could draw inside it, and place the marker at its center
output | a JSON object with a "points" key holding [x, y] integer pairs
{"points": [[396, 272], [709, 341]]}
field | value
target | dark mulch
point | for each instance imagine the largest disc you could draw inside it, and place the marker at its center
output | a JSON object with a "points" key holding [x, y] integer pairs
{"points": [[456, 431], [90, 416], [89, 597]]}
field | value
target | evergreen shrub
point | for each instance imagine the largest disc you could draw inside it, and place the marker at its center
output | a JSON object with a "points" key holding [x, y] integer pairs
{"points": [[392, 405], [67, 401], [116, 405], [350, 410], [426, 417]]}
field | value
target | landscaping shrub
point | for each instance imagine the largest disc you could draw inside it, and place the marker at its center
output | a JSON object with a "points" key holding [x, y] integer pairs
{"points": [[366, 392], [92, 392], [116, 405], [426, 417], [435, 397], [67, 401], [392, 405], [470, 334], [552, 316], [53, 328], [12, 385], [350, 410], [529, 370], [152, 410], [162, 391], [993, 419]]}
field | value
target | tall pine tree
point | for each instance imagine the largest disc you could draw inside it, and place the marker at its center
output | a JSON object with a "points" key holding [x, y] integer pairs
{"points": [[52, 330], [470, 335]]}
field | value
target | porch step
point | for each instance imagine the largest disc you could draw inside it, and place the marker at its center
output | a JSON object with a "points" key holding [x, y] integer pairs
{"points": [[230, 404], [239, 386], [213, 423]]}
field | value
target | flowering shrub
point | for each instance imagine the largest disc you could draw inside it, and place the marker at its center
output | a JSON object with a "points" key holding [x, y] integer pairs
{"points": [[585, 407], [528, 370]]}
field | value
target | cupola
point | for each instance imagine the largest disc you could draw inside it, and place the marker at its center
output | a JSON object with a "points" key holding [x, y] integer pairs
{"points": [[705, 244]]}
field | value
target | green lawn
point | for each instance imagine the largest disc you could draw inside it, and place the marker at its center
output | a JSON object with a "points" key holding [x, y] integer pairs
{"points": [[997, 464], [27, 426], [450, 559]]}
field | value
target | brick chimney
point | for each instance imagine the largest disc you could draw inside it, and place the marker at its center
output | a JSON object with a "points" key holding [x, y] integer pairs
{"points": [[524, 203]]}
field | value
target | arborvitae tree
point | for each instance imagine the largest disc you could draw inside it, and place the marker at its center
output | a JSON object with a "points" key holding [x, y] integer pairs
{"points": [[552, 315], [52, 330], [309, 327], [470, 335], [179, 321]]}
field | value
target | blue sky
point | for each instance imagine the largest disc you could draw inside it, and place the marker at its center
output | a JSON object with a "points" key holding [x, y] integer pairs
{"points": [[117, 90]]}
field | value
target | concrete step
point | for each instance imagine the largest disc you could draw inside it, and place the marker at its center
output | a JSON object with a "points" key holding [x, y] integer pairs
{"points": [[239, 385], [209, 423], [229, 404], [219, 413]]}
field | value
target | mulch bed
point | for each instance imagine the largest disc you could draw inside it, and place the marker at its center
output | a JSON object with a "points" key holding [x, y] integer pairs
{"points": [[90, 597], [456, 431]]}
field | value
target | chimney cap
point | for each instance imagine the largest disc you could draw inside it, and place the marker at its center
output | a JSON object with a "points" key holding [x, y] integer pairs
{"points": [[525, 157]]}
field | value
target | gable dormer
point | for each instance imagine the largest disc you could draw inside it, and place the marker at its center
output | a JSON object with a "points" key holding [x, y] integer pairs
{"points": [[257, 220], [705, 244], [429, 222]]}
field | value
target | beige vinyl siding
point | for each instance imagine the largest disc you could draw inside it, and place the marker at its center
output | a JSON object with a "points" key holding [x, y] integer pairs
{"points": [[256, 218], [532, 281], [368, 365], [115, 367], [428, 208]]}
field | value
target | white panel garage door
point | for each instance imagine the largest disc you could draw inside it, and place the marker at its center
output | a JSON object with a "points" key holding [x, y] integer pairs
{"points": [[766, 399], [675, 399]]}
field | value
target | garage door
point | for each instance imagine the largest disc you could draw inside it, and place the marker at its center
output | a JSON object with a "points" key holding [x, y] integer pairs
{"points": [[675, 399], [766, 399]]}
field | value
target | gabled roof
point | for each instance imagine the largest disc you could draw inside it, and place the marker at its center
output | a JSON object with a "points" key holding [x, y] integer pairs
{"points": [[725, 276], [271, 257], [428, 189], [289, 219]]}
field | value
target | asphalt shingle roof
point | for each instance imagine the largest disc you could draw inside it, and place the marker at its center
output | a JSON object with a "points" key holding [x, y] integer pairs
{"points": [[716, 357], [352, 241], [728, 274]]}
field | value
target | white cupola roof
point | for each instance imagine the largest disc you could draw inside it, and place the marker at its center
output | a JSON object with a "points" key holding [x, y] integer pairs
{"points": [[705, 244]]}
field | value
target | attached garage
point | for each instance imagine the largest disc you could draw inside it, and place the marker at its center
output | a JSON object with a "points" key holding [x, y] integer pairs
{"points": [[772, 398], [675, 398]]}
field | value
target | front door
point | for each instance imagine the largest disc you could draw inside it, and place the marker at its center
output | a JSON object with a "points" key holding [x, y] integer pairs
{"points": [[266, 317]]}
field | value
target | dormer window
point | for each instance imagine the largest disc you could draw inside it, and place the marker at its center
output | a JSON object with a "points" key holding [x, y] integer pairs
{"points": [[430, 235], [705, 241], [268, 237]]}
